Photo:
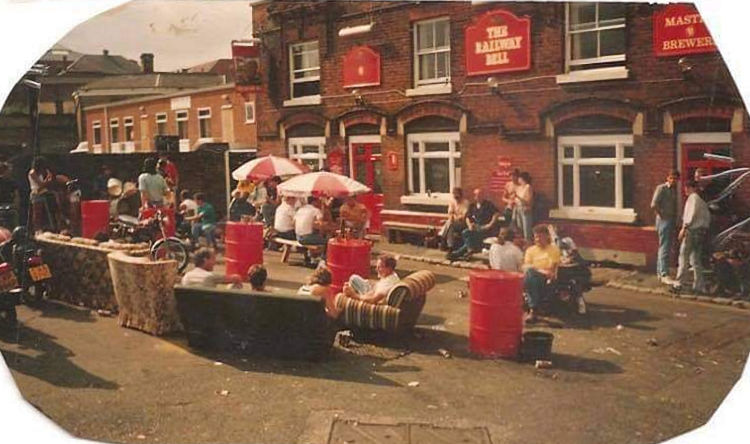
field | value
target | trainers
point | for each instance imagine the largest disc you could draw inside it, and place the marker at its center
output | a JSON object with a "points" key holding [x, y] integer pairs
{"points": [[581, 306]]}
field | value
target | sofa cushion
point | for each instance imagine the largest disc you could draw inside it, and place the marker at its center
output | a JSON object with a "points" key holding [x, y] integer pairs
{"points": [[398, 294]]}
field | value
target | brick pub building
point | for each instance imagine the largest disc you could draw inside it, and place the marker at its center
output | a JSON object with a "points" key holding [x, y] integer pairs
{"points": [[596, 101]]}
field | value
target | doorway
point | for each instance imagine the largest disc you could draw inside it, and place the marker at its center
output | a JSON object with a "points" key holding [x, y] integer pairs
{"points": [[366, 166], [692, 148]]}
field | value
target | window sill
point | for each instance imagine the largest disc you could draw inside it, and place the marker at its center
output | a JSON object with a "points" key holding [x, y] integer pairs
{"points": [[594, 75], [595, 214], [423, 199], [303, 101], [430, 90]]}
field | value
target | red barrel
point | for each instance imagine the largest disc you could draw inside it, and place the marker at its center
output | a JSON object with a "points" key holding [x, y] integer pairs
{"points": [[345, 257], [170, 221], [244, 247], [496, 314], [94, 217]]}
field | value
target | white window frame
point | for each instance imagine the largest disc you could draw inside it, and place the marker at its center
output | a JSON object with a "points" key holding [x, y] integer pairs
{"points": [[162, 118], [127, 122], [250, 105], [569, 62], [292, 70], [179, 119], [452, 138], [609, 214], [114, 123], [96, 124], [200, 119], [295, 151], [417, 52]]}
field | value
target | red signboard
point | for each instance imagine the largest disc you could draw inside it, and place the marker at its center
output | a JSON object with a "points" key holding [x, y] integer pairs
{"points": [[501, 175], [246, 56], [679, 30], [361, 67], [498, 42]]}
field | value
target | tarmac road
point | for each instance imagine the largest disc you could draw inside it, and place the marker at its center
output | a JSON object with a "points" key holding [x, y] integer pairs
{"points": [[607, 384]]}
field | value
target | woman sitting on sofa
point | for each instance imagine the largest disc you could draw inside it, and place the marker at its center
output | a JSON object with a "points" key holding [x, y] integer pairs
{"points": [[319, 286]]}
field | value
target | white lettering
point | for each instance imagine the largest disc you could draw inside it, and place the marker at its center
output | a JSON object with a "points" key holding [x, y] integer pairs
{"points": [[497, 58], [495, 32], [496, 45], [683, 20], [699, 42]]}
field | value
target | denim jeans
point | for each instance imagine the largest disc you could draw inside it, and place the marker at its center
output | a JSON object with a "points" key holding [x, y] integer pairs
{"points": [[359, 284], [526, 222], [534, 284], [664, 229], [691, 253], [204, 230], [472, 241], [314, 239]]}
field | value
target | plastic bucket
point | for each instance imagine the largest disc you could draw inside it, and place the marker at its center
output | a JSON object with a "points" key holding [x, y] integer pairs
{"points": [[536, 345]]}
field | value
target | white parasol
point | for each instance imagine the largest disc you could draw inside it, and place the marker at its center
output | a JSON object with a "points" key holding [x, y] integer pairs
{"points": [[268, 166], [322, 184]]}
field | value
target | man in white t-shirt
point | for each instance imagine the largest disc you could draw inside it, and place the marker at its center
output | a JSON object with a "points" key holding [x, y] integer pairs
{"points": [[283, 221], [362, 290], [307, 222], [505, 255], [203, 276]]}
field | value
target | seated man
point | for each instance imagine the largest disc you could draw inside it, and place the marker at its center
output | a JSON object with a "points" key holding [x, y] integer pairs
{"points": [[355, 216], [283, 221], [505, 255], [308, 222], [203, 276], [540, 267], [481, 221], [362, 290], [204, 221]]}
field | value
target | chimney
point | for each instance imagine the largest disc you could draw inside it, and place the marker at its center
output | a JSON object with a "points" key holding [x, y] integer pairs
{"points": [[105, 52], [147, 63]]}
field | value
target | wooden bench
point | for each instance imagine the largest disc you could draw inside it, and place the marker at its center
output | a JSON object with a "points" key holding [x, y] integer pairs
{"points": [[393, 229], [292, 246]]}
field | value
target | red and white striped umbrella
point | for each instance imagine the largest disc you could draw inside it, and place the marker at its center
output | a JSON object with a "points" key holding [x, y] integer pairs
{"points": [[322, 184], [266, 167]]}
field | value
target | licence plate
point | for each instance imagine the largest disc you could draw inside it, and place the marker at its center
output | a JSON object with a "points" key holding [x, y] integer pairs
{"points": [[40, 273]]}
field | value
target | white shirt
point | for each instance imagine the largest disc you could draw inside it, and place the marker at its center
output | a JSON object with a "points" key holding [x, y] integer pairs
{"points": [[384, 284], [696, 213], [304, 220], [190, 206], [200, 277], [284, 219], [506, 257]]}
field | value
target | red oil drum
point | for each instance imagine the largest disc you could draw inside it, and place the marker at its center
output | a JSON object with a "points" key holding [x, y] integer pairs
{"points": [[170, 221], [244, 247], [496, 313], [94, 217], [345, 257]]}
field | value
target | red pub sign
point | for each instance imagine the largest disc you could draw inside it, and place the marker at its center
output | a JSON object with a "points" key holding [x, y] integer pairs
{"points": [[361, 67], [679, 30], [498, 42]]}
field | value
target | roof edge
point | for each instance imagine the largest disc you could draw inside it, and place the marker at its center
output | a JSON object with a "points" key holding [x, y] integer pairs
{"points": [[162, 96]]}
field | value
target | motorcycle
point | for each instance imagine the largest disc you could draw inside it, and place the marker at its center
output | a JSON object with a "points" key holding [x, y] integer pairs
{"points": [[153, 231], [33, 277]]}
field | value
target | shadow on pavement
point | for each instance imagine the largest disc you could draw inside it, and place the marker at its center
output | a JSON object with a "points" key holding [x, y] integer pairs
{"points": [[602, 316], [54, 309], [584, 365], [341, 365], [50, 361]]}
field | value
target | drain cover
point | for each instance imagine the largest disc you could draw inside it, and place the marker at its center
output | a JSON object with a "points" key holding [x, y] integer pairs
{"points": [[353, 432]]}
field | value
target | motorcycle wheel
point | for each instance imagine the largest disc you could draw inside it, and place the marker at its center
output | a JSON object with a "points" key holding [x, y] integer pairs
{"points": [[36, 293], [170, 248]]}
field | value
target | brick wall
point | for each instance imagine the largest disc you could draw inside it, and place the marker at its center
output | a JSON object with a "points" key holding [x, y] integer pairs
{"points": [[145, 110]]}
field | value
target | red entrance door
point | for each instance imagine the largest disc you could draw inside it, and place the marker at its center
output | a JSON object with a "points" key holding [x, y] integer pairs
{"points": [[367, 169], [692, 159]]}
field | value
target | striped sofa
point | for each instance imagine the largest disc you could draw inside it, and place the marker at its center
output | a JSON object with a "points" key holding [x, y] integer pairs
{"points": [[400, 311]]}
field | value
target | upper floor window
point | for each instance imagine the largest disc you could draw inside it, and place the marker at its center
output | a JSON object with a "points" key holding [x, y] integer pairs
{"points": [[128, 124], [595, 35], [161, 124], [304, 69], [97, 129], [114, 131], [204, 122], [182, 124], [432, 52]]}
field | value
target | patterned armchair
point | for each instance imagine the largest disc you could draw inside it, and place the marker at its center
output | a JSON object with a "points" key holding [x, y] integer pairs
{"points": [[400, 311]]}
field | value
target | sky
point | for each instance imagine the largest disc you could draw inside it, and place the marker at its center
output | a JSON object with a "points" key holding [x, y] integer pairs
{"points": [[180, 33]]}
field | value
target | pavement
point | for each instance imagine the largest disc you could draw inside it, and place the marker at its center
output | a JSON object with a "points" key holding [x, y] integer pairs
{"points": [[639, 368]]}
